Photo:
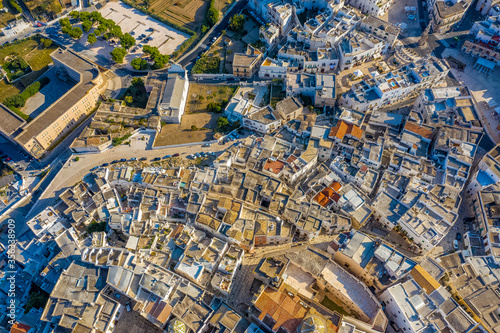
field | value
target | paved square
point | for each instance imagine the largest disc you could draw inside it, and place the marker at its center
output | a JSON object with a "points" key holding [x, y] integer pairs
{"points": [[166, 38]]}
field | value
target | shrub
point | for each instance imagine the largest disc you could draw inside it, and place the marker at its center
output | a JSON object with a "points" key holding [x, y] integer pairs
{"points": [[214, 107], [207, 64], [77, 159]]}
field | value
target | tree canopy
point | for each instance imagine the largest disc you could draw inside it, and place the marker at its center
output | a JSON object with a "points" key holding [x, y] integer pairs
{"points": [[118, 54]]}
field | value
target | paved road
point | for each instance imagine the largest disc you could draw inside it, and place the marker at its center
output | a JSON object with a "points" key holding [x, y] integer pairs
{"points": [[221, 26]]}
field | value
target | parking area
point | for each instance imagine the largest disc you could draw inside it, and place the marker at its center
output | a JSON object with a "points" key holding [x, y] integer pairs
{"points": [[166, 38], [405, 14]]}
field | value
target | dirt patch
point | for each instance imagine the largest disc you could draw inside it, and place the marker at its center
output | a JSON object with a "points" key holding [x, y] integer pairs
{"points": [[133, 322], [174, 134]]}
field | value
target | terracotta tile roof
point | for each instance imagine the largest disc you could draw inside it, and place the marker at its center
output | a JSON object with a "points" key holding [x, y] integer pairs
{"points": [[336, 186], [424, 279], [321, 199], [274, 166], [336, 197], [284, 310], [423, 132], [291, 159], [355, 131], [364, 168], [328, 192], [344, 128], [339, 131], [20, 328]]}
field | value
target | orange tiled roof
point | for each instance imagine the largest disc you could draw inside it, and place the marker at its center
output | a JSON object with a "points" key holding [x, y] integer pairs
{"points": [[322, 199], [414, 128], [336, 186], [339, 131], [355, 131], [274, 166], [291, 159], [286, 311], [328, 192], [20, 328], [336, 197]]}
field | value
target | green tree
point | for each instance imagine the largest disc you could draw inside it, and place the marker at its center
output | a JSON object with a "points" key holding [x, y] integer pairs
{"points": [[137, 81], [76, 33], [118, 54], [222, 123], [84, 16], [160, 61], [64, 22], [128, 99], [137, 63], [204, 29], [47, 43], [75, 14], [95, 16], [212, 16], [127, 41], [116, 31], [97, 32], [214, 107], [91, 39], [237, 23], [87, 25]]}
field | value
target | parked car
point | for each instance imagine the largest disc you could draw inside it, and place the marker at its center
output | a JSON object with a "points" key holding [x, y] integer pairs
{"points": [[115, 161], [105, 164], [133, 159], [166, 156], [117, 295], [123, 160], [455, 244], [143, 159], [175, 155], [156, 159], [208, 144], [459, 236], [127, 306]]}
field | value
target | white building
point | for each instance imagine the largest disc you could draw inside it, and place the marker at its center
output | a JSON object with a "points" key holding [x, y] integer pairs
{"points": [[359, 47], [173, 101], [372, 7], [385, 89]]}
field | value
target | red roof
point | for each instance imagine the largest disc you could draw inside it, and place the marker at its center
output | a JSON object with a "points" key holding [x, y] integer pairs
{"points": [[274, 166], [20, 328]]}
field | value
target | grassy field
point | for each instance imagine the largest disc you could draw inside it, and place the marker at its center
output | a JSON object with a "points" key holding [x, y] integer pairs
{"points": [[5, 18], [328, 303], [35, 54], [186, 13], [210, 93]]}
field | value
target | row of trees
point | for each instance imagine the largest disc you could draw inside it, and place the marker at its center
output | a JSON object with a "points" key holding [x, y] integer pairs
{"points": [[160, 60]]}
